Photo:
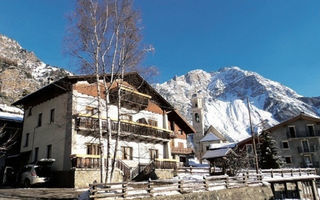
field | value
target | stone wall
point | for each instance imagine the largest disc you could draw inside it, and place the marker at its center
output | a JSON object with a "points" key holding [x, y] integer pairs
{"points": [[256, 193], [82, 178], [164, 173]]}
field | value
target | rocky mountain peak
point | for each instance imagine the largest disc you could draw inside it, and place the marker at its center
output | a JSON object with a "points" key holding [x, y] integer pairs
{"points": [[22, 72], [225, 93]]}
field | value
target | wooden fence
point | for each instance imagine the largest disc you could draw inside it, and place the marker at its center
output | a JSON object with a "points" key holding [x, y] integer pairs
{"points": [[284, 172], [159, 187]]}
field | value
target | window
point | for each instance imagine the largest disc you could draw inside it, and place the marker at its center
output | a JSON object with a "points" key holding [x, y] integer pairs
{"points": [[305, 145], [288, 159], [36, 151], [292, 131], [197, 117], [310, 130], [153, 154], [307, 161], [142, 121], [126, 153], [39, 119], [93, 149], [51, 115], [153, 122], [180, 132], [26, 143], [172, 125], [285, 145], [49, 151], [30, 111], [249, 148], [208, 147]]}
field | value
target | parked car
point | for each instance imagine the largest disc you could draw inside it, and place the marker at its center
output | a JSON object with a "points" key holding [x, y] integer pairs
{"points": [[9, 176], [36, 174]]}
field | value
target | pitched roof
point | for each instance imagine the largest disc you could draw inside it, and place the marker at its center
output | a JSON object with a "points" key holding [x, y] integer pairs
{"points": [[181, 121], [65, 84], [210, 137], [302, 116], [216, 132], [216, 153]]}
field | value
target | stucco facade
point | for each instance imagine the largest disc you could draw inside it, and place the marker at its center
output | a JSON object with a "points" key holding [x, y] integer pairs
{"points": [[60, 122]]}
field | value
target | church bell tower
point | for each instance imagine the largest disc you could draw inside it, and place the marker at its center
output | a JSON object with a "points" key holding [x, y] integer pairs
{"points": [[197, 122]]}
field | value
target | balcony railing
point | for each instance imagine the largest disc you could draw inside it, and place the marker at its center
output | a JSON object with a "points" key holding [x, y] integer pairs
{"points": [[86, 161], [303, 134], [309, 149], [178, 150], [127, 127], [309, 164]]}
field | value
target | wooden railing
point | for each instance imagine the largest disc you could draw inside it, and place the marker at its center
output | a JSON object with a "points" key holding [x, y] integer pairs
{"points": [[284, 172], [125, 169], [85, 161], [91, 124], [155, 187], [179, 150], [193, 170], [302, 134], [165, 164]]}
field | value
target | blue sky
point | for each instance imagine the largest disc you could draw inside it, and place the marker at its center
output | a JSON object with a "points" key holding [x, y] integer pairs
{"points": [[276, 38]]}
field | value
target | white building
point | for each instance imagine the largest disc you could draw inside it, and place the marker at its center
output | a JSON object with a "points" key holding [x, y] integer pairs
{"points": [[61, 120]]}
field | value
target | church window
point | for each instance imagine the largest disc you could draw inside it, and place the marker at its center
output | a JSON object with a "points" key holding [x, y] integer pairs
{"points": [[197, 117]]}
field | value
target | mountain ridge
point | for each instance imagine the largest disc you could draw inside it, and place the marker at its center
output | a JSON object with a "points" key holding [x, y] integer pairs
{"points": [[225, 92]]}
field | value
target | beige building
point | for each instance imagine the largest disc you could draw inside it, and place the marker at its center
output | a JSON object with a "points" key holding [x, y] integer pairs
{"points": [[61, 120]]}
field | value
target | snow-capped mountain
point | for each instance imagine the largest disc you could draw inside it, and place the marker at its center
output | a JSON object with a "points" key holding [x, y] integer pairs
{"points": [[225, 94], [21, 72]]}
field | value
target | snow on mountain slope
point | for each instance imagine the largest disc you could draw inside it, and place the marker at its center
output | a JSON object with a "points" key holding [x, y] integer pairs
{"points": [[225, 93]]}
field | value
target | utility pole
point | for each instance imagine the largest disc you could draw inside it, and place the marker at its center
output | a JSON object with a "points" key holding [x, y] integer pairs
{"points": [[253, 139]]}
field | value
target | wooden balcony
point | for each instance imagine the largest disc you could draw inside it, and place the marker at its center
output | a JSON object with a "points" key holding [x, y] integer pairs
{"points": [[130, 98], [128, 129], [85, 161], [179, 150]]}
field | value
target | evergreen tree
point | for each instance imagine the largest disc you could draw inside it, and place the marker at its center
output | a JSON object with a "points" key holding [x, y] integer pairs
{"points": [[268, 155]]}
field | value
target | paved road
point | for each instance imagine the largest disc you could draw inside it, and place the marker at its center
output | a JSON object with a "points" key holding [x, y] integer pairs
{"points": [[39, 193]]}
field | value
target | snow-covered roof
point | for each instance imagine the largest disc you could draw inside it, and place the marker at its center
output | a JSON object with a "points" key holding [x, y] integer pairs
{"points": [[10, 113], [222, 145], [209, 137], [11, 116], [217, 153]]}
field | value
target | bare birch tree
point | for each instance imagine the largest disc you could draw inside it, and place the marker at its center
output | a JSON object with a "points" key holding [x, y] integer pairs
{"points": [[104, 37]]}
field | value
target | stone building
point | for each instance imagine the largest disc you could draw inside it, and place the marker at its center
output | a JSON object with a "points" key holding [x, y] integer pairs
{"points": [[61, 120], [298, 141]]}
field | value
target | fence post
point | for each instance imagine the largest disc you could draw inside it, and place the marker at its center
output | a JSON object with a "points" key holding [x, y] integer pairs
{"points": [[180, 186], [149, 190], [190, 169], [271, 173], [299, 171], [124, 189], [245, 180], [291, 172], [227, 182], [205, 183], [281, 172]]}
